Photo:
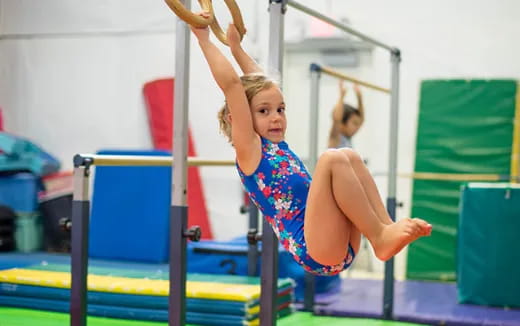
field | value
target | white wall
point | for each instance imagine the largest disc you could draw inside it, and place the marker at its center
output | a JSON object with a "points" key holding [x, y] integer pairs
{"points": [[71, 74]]}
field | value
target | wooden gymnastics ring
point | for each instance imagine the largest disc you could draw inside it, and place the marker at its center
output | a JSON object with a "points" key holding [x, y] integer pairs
{"points": [[237, 21], [189, 17]]}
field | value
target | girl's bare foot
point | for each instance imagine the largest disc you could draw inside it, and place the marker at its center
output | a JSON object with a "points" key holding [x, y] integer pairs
{"points": [[396, 236]]}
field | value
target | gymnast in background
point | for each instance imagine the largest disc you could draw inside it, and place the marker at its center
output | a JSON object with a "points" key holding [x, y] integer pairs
{"points": [[346, 119]]}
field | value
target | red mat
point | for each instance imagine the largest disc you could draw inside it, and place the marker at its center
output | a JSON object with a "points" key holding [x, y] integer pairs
{"points": [[158, 96]]}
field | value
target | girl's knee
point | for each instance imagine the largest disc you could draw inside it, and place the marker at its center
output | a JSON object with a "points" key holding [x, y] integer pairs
{"points": [[332, 156], [352, 155]]}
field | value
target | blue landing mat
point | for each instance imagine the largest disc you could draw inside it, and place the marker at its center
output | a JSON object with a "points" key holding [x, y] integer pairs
{"points": [[209, 319], [136, 301], [20, 260], [414, 301]]}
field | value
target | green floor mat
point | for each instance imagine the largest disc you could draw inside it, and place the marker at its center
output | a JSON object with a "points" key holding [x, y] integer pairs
{"points": [[24, 317], [307, 319]]}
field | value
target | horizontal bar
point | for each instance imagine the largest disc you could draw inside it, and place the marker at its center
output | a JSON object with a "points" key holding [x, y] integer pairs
{"points": [[86, 34], [451, 176], [337, 24], [456, 176], [137, 160], [337, 74]]}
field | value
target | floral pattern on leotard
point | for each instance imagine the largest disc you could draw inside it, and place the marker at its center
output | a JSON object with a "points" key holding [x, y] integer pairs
{"points": [[279, 188]]}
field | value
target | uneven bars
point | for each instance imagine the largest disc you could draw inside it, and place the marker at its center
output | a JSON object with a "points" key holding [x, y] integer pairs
{"points": [[277, 7]]}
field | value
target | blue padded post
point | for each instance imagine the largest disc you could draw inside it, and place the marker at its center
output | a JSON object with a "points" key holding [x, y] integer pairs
{"points": [[488, 263], [130, 211]]}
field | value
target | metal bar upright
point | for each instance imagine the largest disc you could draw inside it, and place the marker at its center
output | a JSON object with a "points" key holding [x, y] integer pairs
{"points": [[315, 71], [314, 116], [179, 209], [252, 251], [79, 246], [269, 276], [269, 266], [388, 292]]}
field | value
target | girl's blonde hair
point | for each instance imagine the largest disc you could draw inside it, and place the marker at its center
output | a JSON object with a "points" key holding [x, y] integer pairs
{"points": [[253, 84]]}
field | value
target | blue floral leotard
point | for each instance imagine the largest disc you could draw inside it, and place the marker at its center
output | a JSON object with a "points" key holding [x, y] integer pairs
{"points": [[279, 188]]}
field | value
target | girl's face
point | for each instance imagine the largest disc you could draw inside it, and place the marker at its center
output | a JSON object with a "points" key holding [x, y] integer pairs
{"points": [[268, 112], [351, 126]]}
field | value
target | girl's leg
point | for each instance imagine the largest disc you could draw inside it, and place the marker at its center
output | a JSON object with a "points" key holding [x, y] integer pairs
{"points": [[335, 196], [366, 180], [327, 230], [355, 237]]}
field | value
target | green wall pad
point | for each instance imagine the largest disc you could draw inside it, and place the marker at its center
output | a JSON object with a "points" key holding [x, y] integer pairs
{"points": [[464, 127], [24, 317], [488, 261]]}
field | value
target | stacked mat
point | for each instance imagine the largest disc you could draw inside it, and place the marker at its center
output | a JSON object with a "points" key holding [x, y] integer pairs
{"points": [[141, 295]]}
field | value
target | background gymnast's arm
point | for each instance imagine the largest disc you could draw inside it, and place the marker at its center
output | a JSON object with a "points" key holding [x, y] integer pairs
{"points": [[337, 116], [361, 107]]}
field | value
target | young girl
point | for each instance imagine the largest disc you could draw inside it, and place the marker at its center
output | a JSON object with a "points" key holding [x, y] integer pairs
{"points": [[320, 220], [346, 120]]}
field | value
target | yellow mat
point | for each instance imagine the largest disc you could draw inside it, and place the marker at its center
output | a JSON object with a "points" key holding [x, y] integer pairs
{"points": [[125, 285]]}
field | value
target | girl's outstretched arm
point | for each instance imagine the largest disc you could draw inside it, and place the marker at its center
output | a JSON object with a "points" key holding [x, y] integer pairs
{"points": [[337, 113], [361, 107], [337, 116], [246, 63], [220, 67], [243, 135]]}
